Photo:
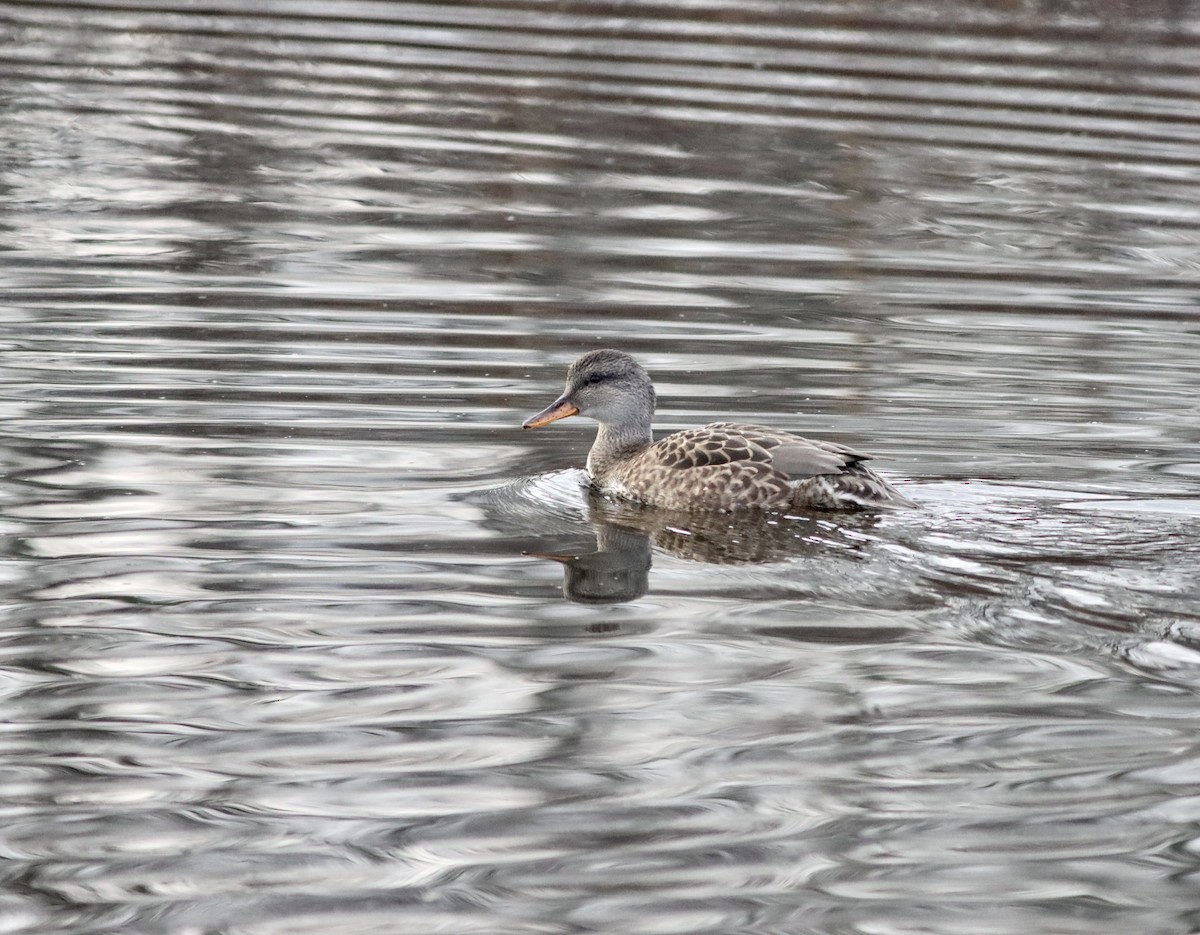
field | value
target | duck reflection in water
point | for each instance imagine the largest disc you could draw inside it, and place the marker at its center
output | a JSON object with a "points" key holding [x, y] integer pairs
{"points": [[627, 534], [618, 570]]}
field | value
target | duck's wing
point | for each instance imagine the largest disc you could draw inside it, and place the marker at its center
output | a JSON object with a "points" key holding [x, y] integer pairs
{"points": [[794, 456], [709, 446], [713, 467], [727, 465]]}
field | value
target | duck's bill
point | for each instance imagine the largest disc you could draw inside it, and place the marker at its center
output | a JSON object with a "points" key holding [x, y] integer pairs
{"points": [[559, 409]]}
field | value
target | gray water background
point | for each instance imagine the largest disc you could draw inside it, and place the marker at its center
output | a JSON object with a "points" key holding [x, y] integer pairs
{"points": [[281, 651]]}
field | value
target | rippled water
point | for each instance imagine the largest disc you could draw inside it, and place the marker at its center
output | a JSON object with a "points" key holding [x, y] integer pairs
{"points": [[303, 634]]}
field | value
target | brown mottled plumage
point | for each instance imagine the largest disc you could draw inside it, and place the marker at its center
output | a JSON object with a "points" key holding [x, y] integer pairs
{"points": [[722, 466]]}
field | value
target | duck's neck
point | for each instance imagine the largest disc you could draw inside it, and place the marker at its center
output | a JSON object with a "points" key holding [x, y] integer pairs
{"points": [[616, 443]]}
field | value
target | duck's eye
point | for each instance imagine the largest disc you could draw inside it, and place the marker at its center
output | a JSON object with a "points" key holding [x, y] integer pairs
{"points": [[594, 378]]}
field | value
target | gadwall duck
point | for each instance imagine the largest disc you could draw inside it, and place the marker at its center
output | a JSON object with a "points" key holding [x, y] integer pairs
{"points": [[721, 466]]}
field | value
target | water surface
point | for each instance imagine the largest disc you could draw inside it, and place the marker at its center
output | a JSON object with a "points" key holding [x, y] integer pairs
{"points": [[285, 649]]}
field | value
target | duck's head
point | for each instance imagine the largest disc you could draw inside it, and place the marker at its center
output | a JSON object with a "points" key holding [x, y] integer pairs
{"points": [[608, 386]]}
